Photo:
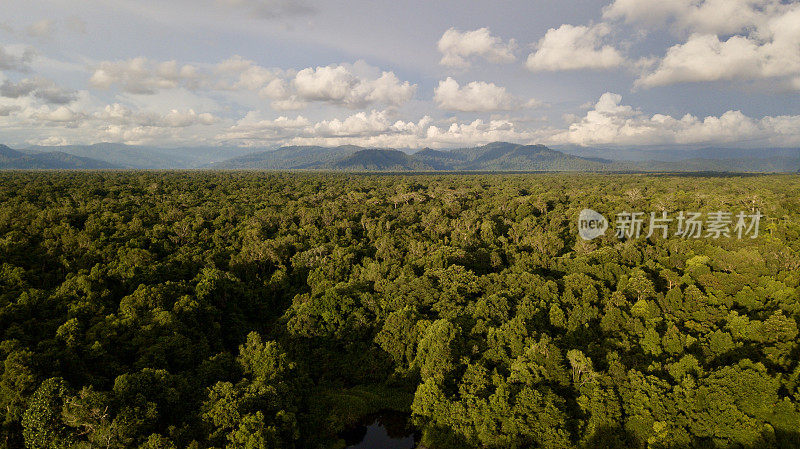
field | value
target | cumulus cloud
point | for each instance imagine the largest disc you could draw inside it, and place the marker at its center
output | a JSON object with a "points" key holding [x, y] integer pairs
{"points": [[247, 74], [142, 76], [477, 96], [771, 51], [62, 115], [351, 85], [121, 115], [41, 88], [572, 47], [87, 120], [612, 123], [15, 62], [253, 128], [354, 86], [458, 47], [725, 39], [337, 84], [697, 16], [357, 125], [331, 83], [253, 121], [376, 128], [291, 103]]}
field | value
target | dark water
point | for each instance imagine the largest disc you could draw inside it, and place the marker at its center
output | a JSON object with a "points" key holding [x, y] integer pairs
{"points": [[385, 430]]}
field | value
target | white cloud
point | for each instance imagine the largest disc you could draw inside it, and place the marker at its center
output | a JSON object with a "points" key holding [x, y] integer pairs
{"points": [[337, 84], [477, 132], [726, 39], [253, 121], [292, 103], [49, 141], [276, 89], [723, 17], [86, 120], [357, 125], [574, 47], [247, 74], [61, 115], [459, 47], [771, 51], [388, 89], [477, 96], [121, 115], [375, 129], [331, 83], [612, 123], [142, 76], [254, 129], [351, 85]]}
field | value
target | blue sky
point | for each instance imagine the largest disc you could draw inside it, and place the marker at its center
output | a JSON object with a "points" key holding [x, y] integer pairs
{"points": [[262, 73]]}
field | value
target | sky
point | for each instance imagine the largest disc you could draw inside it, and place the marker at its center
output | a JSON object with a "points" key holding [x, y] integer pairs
{"points": [[403, 74]]}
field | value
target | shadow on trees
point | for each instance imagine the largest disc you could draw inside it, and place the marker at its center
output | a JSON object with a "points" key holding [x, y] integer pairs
{"points": [[616, 437]]}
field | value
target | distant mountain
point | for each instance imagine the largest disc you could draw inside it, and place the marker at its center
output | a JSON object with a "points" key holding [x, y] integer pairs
{"points": [[7, 153], [380, 160], [55, 160], [675, 155], [289, 158], [440, 160], [501, 156], [774, 164], [504, 156], [495, 156], [124, 156], [140, 157]]}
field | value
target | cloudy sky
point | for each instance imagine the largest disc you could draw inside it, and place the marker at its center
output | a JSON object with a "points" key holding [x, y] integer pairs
{"points": [[261, 73]]}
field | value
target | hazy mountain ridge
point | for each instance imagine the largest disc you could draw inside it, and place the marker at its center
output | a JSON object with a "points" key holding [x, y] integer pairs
{"points": [[676, 155], [495, 156], [380, 160], [289, 158], [504, 156], [498, 156], [142, 157], [11, 159], [7, 153]]}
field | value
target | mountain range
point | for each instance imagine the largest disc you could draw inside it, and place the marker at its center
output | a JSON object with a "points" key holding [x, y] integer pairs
{"points": [[504, 156], [13, 159], [142, 157], [495, 156]]}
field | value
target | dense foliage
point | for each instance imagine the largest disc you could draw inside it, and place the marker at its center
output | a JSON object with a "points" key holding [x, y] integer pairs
{"points": [[251, 310]]}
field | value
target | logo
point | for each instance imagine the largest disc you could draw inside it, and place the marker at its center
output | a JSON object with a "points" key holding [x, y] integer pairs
{"points": [[687, 225], [591, 224]]}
